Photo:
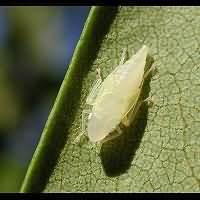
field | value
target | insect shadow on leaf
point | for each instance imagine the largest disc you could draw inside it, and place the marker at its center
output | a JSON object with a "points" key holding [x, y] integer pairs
{"points": [[117, 154]]}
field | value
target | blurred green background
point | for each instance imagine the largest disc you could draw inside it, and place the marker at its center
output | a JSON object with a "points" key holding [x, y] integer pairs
{"points": [[36, 45]]}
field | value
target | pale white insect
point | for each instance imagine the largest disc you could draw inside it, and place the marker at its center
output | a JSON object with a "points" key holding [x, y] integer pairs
{"points": [[115, 101]]}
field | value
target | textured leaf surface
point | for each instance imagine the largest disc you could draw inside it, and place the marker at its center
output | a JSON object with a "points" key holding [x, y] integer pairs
{"points": [[160, 152]]}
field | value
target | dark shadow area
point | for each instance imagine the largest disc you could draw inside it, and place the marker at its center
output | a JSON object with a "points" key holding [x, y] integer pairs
{"points": [[69, 100], [117, 154]]}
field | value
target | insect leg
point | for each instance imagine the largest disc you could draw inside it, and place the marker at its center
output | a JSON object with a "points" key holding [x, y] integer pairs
{"points": [[99, 73], [95, 88], [123, 56], [83, 125], [129, 117], [149, 100], [152, 69]]}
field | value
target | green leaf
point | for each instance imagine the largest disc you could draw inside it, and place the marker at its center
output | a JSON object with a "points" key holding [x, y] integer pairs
{"points": [[160, 152]]}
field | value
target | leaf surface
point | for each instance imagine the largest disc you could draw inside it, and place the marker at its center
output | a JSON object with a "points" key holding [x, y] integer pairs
{"points": [[160, 152]]}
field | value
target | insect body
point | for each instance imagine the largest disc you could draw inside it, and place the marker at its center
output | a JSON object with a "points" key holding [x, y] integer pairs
{"points": [[115, 100]]}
